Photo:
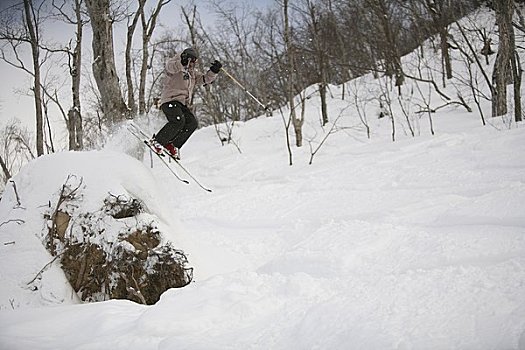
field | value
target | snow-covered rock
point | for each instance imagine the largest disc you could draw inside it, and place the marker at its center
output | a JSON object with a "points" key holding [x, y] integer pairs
{"points": [[99, 214]]}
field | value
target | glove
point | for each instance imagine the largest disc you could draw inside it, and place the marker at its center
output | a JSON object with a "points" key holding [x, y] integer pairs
{"points": [[216, 67]]}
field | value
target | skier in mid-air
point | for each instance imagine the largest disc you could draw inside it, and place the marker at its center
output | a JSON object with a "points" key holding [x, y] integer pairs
{"points": [[179, 81]]}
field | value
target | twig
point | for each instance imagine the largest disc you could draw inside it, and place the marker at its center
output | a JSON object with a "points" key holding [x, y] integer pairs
{"points": [[434, 110], [480, 66], [432, 82], [137, 288], [63, 197], [18, 221], [330, 132], [135, 291], [45, 267], [16, 193]]}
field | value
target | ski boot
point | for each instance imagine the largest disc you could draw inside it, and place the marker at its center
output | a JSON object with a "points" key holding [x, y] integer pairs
{"points": [[156, 146], [173, 151]]}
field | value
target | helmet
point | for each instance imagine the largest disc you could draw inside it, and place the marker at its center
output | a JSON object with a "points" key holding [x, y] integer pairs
{"points": [[189, 54]]}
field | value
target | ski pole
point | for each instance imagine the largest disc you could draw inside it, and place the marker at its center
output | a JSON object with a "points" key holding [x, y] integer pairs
{"points": [[266, 108]]}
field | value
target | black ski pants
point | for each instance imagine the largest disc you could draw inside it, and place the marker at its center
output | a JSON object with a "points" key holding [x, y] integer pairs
{"points": [[181, 124]]}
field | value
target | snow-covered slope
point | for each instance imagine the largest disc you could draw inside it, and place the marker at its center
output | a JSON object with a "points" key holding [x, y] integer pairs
{"points": [[413, 244]]}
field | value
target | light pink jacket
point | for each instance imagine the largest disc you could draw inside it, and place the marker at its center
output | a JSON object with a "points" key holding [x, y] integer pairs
{"points": [[175, 87]]}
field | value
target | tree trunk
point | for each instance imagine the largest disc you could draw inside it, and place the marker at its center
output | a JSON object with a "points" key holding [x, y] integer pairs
{"points": [[516, 73], [76, 133], [324, 109], [143, 76], [319, 45], [297, 123], [392, 59], [37, 89], [7, 174], [445, 54], [104, 71], [501, 72], [147, 32], [129, 43], [515, 68], [74, 125], [438, 12]]}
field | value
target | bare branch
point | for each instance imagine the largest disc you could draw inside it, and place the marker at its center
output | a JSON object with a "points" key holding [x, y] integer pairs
{"points": [[18, 221], [18, 202]]}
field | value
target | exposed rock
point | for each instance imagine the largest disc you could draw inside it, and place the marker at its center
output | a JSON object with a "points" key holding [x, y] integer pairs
{"points": [[116, 252]]}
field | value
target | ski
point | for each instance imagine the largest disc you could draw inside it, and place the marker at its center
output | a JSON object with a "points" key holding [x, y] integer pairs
{"points": [[145, 136], [133, 132], [187, 172]]}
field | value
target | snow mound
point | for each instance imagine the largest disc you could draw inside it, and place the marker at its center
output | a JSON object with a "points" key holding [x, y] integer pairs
{"points": [[87, 182]]}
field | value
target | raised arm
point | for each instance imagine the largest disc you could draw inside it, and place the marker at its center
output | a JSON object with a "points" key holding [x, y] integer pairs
{"points": [[205, 79], [209, 77]]}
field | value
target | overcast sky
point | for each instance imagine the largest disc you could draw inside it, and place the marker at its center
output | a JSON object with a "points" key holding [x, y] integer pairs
{"points": [[13, 104]]}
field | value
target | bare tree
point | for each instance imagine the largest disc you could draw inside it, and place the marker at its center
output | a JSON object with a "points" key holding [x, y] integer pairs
{"points": [[233, 42], [148, 26], [15, 148], [21, 25], [75, 127], [297, 122], [73, 119], [268, 42], [360, 102], [41, 53], [385, 102], [433, 17], [317, 24], [5, 169], [501, 73], [129, 45], [34, 40], [113, 106], [437, 10], [506, 66], [474, 66], [385, 40]]}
